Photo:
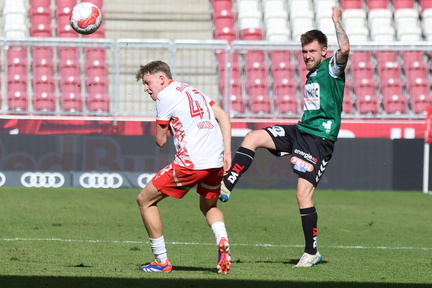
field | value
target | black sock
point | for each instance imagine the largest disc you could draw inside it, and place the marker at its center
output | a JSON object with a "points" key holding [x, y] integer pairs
{"points": [[309, 218], [240, 164]]}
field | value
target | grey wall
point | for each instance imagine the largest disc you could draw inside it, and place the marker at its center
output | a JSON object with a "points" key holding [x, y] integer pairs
{"points": [[357, 164]]}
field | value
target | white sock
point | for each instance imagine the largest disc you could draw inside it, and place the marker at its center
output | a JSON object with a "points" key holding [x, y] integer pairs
{"points": [[219, 231], [159, 249]]}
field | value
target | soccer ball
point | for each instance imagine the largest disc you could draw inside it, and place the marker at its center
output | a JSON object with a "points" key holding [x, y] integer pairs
{"points": [[85, 18]]}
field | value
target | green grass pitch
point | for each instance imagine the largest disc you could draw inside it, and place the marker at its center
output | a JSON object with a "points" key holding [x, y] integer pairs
{"points": [[74, 237]]}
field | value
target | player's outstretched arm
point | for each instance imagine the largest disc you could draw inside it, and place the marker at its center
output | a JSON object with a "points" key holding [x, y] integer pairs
{"points": [[342, 38]]}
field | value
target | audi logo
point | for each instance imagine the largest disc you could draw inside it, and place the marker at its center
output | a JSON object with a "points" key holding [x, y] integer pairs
{"points": [[42, 179], [143, 179], [101, 180], [2, 179]]}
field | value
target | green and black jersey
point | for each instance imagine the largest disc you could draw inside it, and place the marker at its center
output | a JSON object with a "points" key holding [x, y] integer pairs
{"points": [[323, 96]]}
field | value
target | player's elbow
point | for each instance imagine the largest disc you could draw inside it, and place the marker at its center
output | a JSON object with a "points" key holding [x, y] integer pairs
{"points": [[161, 141], [345, 49]]}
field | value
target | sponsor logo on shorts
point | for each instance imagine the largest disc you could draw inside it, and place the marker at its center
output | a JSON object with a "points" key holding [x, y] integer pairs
{"points": [[306, 156], [301, 165], [276, 131]]}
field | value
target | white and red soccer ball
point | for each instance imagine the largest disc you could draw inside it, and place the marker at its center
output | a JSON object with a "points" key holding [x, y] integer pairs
{"points": [[85, 18]]}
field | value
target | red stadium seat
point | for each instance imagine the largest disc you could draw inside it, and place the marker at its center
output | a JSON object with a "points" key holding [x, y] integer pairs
{"points": [[68, 57], [64, 7], [403, 4], [219, 5], [225, 33], [17, 98], [281, 61], [16, 55], [235, 100], [17, 70], [41, 30], [347, 104], [254, 84], [394, 103], [283, 78], [42, 56], [286, 101], [254, 63], [377, 4], [43, 72], [390, 70], [16, 78], [95, 57], [64, 29], [425, 4], [417, 80], [360, 60], [256, 70], [224, 18], [40, 3], [44, 101], [286, 105], [96, 76], [233, 83], [72, 78], [254, 56], [71, 102], [367, 104], [416, 69], [351, 4], [386, 56], [234, 72], [254, 34], [71, 99], [259, 101], [40, 15], [363, 77], [419, 99], [98, 102], [392, 86], [412, 56], [279, 55]]}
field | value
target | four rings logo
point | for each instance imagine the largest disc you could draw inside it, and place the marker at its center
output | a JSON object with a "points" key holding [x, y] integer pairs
{"points": [[101, 180], [2, 179], [42, 179], [143, 179]]}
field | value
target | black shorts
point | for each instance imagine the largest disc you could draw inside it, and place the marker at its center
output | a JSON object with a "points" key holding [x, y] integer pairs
{"points": [[309, 154]]}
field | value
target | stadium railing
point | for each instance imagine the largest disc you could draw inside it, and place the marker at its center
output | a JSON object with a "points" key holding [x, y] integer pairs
{"points": [[241, 76]]}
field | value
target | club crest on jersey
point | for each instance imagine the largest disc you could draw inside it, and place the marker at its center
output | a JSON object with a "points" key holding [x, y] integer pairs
{"points": [[327, 125]]}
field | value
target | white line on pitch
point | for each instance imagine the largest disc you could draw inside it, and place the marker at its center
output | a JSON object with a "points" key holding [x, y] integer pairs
{"points": [[207, 244]]}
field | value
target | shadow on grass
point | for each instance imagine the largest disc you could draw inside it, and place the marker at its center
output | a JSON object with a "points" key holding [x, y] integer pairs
{"points": [[66, 282]]}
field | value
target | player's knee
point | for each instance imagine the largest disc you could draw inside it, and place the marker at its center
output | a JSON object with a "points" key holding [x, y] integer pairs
{"points": [[140, 199], [251, 140]]}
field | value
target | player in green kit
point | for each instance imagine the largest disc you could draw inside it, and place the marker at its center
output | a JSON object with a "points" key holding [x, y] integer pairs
{"points": [[310, 142]]}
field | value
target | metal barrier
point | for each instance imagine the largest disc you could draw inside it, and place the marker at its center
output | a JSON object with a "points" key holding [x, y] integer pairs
{"points": [[206, 65]]}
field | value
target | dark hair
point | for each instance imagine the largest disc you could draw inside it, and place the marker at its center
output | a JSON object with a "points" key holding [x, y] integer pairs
{"points": [[153, 68], [313, 35]]}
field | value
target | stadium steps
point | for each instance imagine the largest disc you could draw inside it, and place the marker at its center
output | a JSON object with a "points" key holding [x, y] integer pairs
{"points": [[131, 19]]}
